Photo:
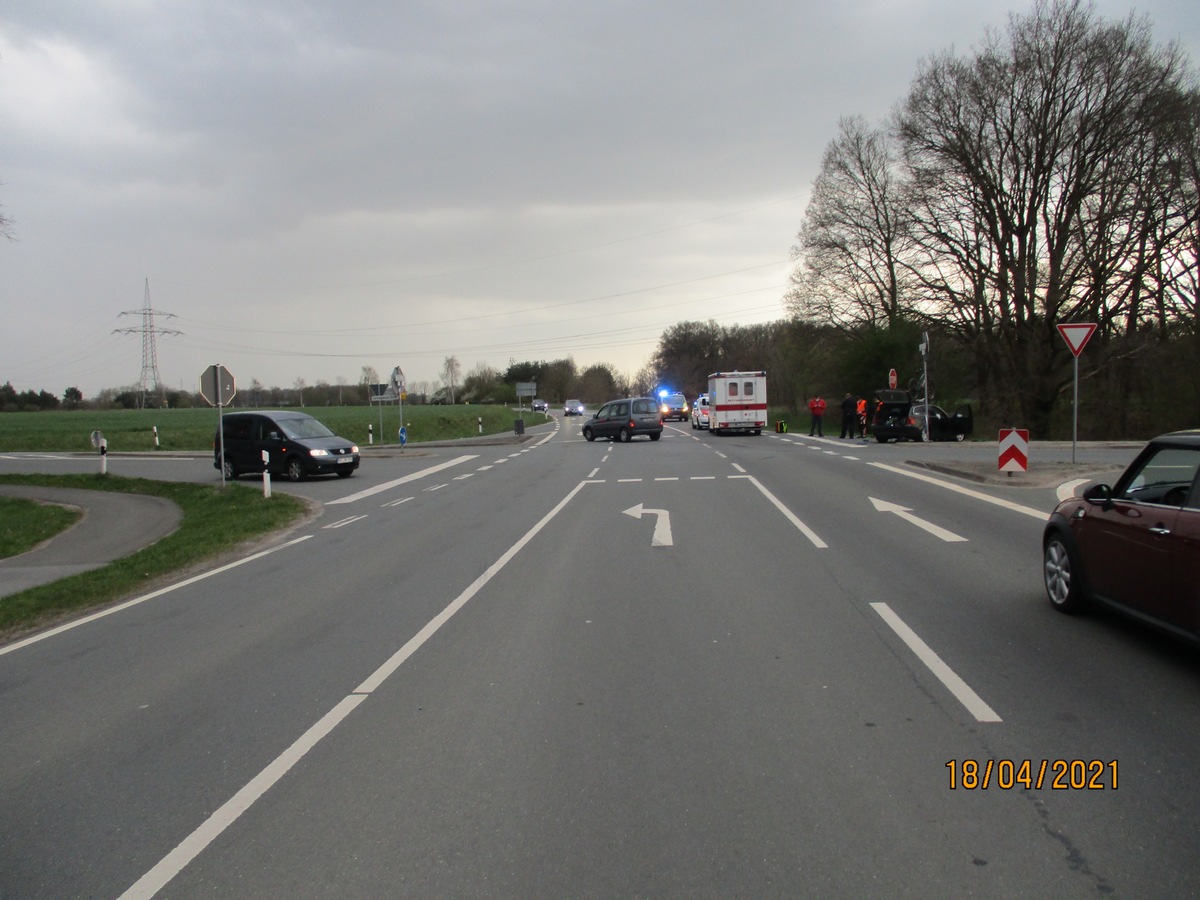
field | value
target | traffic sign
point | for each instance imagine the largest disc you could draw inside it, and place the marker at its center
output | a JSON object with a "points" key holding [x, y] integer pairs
{"points": [[892, 379], [217, 386], [1077, 334], [1014, 450]]}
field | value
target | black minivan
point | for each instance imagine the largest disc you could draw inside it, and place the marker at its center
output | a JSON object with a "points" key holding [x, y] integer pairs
{"points": [[297, 445]]}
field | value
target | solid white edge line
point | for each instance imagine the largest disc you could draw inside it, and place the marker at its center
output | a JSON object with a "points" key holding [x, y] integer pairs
{"points": [[788, 514], [387, 485], [212, 827], [959, 688], [978, 495], [142, 599]]}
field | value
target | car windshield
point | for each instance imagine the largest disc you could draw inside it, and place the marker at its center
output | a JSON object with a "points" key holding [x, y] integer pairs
{"points": [[297, 429]]}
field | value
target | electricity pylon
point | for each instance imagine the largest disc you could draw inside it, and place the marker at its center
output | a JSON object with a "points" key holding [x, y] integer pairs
{"points": [[149, 332]]}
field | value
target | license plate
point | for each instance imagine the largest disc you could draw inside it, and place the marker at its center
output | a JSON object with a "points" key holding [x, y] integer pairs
{"points": [[345, 459]]}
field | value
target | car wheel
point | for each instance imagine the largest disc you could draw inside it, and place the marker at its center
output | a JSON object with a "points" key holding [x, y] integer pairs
{"points": [[624, 436], [1061, 575], [960, 437], [230, 470], [587, 435], [881, 438], [295, 469], [655, 437]]}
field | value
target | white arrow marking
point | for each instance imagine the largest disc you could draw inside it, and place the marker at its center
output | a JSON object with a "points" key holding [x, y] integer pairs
{"points": [[662, 527], [906, 514]]}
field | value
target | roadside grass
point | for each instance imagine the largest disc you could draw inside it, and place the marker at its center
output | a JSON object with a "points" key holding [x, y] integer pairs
{"points": [[133, 430], [26, 523], [215, 521]]}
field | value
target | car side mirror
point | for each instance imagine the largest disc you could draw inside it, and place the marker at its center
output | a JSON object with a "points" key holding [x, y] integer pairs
{"points": [[1099, 495]]}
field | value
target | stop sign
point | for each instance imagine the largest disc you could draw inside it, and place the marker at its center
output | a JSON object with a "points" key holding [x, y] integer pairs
{"points": [[217, 386], [892, 379]]}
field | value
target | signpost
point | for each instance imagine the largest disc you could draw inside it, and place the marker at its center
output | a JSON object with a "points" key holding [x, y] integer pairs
{"points": [[1076, 334], [396, 383], [218, 388], [893, 379]]}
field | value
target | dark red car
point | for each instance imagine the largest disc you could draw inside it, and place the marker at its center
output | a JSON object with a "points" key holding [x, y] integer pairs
{"points": [[1135, 545]]}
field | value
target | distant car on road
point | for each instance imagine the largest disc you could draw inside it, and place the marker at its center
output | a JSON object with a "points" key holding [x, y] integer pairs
{"points": [[700, 412], [541, 406], [1134, 546], [623, 420], [297, 445], [573, 408], [898, 418], [674, 406]]}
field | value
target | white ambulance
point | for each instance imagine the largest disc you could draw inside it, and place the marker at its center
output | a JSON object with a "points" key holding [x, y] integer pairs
{"points": [[737, 402]]}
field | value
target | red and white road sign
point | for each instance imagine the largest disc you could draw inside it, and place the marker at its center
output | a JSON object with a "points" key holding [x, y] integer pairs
{"points": [[1014, 449], [1077, 334], [892, 379]]}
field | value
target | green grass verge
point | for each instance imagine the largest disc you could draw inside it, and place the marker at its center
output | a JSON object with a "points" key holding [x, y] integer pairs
{"points": [[133, 430], [215, 520], [24, 524]]}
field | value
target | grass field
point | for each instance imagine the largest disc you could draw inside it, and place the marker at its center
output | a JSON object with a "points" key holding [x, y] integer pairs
{"points": [[215, 521], [132, 430]]}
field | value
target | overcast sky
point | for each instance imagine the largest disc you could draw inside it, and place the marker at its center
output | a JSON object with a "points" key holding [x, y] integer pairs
{"points": [[310, 187]]}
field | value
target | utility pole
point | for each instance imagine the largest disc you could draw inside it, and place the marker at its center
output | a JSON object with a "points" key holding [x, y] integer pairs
{"points": [[149, 332]]}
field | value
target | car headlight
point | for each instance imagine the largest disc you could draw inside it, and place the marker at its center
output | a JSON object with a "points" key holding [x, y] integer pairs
{"points": [[318, 452], [354, 448]]}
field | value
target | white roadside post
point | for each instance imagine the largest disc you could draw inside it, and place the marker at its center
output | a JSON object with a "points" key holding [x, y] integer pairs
{"points": [[99, 442], [266, 458]]}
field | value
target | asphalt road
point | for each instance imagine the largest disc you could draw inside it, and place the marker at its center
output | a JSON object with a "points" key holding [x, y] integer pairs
{"points": [[702, 667]]}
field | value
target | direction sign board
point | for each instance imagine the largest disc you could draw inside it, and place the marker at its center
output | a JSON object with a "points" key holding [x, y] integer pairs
{"points": [[1076, 334], [217, 386]]}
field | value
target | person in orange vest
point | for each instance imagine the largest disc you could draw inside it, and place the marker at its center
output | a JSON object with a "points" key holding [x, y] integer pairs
{"points": [[862, 417], [816, 406]]}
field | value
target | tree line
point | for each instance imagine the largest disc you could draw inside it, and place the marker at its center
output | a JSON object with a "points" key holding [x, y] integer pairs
{"points": [[1051, 176]]}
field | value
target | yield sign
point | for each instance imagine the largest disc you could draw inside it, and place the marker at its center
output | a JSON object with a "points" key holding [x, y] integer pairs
{"points": [[1014, 449], [1077, 335]]}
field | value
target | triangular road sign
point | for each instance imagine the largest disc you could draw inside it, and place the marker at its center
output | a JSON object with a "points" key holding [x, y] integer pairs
{"points": [[1077, 335]]}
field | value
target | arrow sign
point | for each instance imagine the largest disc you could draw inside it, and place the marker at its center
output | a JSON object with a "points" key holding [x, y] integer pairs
{"points": [[1077, 335], [906, 514], [662, 526], [1014, 449]]}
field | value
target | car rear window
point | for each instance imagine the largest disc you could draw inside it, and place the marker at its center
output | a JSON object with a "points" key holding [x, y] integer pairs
{"points": [[643, 407]]}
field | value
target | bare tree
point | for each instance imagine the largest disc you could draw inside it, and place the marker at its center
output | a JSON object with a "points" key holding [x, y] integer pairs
{"points": [[848, 255], [1026, 160], [451, 372]]}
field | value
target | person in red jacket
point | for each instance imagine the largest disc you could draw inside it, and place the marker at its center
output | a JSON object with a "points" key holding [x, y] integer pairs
{"points": [[816, 406]]}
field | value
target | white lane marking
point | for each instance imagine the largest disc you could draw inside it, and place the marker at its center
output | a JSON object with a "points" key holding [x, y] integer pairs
{"points": [[464, 477], [722, 455], [41, 636], [175, 861], [592, 474], [662, 524], [436, 487], [959, 688], [1067, 489], [500, 461], [379, 488], [788, 514], [978, 495], [906, 514], [855, 458], [739, 468], [483, 468], [703, 478], [397, 502], [669, 478], [346, 521], [628, 480]]}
